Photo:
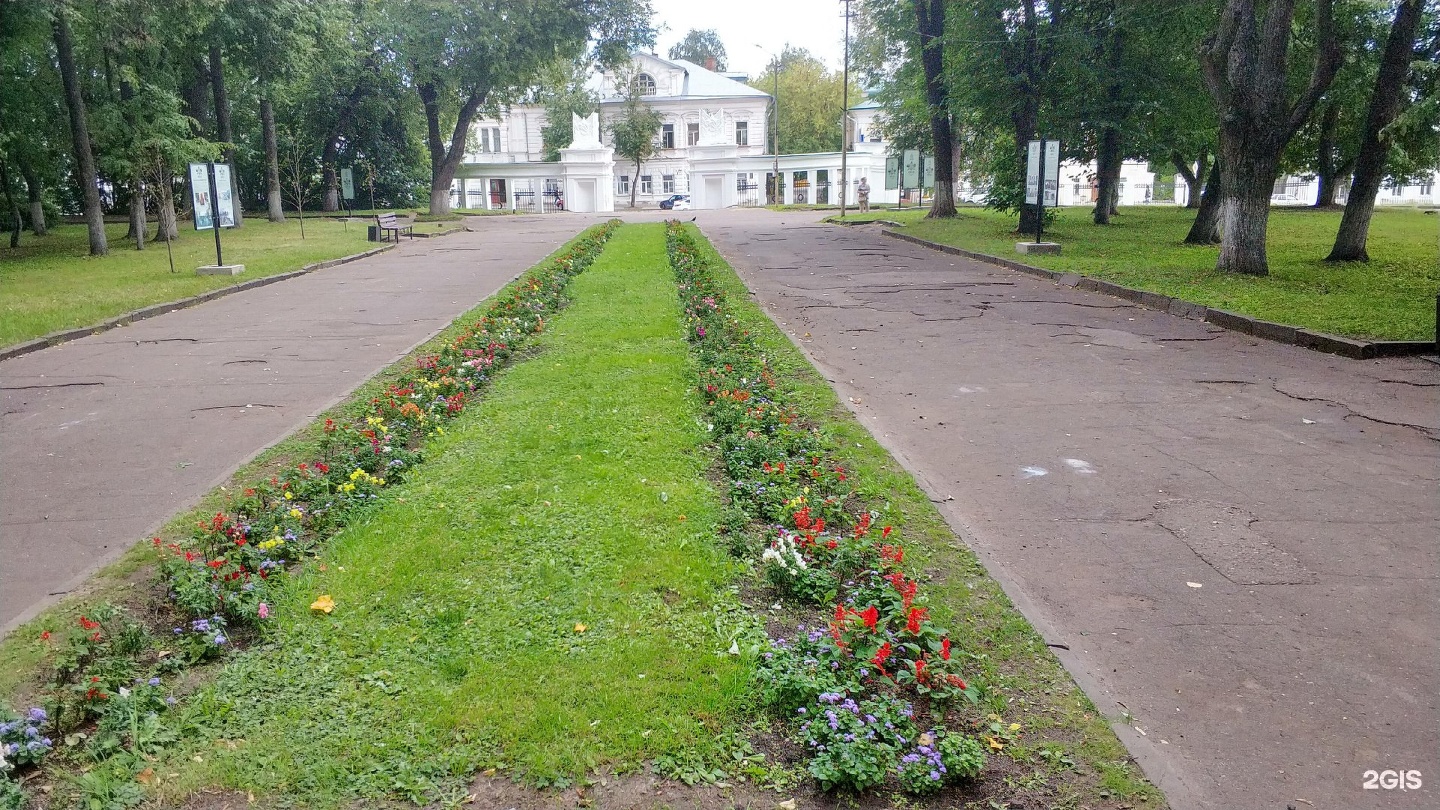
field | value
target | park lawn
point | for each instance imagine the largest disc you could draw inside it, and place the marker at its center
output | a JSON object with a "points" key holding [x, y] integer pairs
{"points": [[544, 595], [51, 283], [1392, 297]]}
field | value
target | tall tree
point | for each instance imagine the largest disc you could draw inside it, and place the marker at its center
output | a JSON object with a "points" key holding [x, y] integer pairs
{"points": [[223, 131], [1246, 66], [1385, 105], [809, 97], [930, 22], [634, 130], [700, 47], [463, 56], [85, 174]]}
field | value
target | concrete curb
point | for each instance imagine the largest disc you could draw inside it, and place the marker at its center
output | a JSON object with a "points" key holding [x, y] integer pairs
{"points": [[67, 335], [1267, 330]]}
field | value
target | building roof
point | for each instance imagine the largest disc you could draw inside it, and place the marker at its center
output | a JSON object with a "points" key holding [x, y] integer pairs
{"points": [[698, 83], [867, 104]]}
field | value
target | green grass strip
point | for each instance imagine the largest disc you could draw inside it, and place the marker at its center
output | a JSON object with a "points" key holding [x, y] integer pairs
{"points": [[1390, 297], [543, 596], [1067, 745]]}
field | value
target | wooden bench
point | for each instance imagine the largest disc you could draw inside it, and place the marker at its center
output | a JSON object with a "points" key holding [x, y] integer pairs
{"points": [[392, 224]]}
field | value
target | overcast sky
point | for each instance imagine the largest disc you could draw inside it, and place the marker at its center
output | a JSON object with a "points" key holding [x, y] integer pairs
{"points": [[816, 25]]}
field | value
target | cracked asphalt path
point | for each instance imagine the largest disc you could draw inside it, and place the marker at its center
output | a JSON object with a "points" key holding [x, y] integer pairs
{"points": [[104, 439], [1236, 539]]}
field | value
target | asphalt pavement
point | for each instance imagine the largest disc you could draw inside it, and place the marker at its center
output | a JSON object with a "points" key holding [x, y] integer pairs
{"points": [[1236, 539], [104, 439]]}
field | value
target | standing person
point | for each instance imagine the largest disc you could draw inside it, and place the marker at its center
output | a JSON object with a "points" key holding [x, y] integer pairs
{"points": [[862, 193]]}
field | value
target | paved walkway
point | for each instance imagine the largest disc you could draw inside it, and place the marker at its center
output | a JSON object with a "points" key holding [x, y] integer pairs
{"points": [[104, 439], [1236, 539]]}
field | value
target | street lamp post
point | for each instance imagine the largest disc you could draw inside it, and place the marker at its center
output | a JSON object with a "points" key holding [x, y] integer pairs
{"points": [[775, 64], [845, 114]]}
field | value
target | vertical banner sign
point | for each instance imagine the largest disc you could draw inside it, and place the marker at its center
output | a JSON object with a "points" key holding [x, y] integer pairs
{"points": [[911, 169], [347, 183], [1052, 173], [1032, 174], [200, 196], [927, 172], [892, 173], [224, 196]]}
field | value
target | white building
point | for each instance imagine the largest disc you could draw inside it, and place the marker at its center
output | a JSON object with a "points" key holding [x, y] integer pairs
{"points": [[712, 146]]}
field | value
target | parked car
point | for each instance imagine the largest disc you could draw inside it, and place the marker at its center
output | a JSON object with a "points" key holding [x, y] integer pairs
{"points": [[1285, 199], [669, 202], [682, 204]]}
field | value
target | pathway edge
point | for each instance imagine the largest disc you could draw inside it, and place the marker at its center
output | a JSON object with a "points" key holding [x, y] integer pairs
{"points": [[1352, 348], [67, 335]]}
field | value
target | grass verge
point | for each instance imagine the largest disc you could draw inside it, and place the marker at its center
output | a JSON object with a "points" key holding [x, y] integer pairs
{"points": [[50, 283], [1391, 297], [1063, 753], [542, 596]]}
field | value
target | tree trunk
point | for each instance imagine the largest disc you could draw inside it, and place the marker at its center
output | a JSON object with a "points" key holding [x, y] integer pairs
{"points": [[1247, 179], [275, 210], [12, 207], [330, 179], [1023, 67], [34, 191], [1107, 166], [445, 160], [1194, 178], [1245, 66], [635, 185], [930, 15], [165, 208], [1205, 230], [222, 125], [1326, 172], [195, 97], [138, 225], [80, 134], [1374, 146]]}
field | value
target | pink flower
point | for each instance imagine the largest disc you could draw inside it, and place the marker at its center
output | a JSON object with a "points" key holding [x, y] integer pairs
{"points": [[264, 611]]}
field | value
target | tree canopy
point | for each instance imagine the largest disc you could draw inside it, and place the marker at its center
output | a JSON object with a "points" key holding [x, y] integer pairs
{"points": [[698, 46]]}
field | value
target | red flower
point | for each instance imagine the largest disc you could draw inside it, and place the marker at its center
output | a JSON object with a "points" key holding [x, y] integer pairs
{"points": [[216, 563], [917, 615], [831, 544], [920, 670], [45, 636], [885, 532], [95, 636], [872, 617], [88, 624], [945, 648], [322, 467], [880, 657], [839, 613], [956, 681]]}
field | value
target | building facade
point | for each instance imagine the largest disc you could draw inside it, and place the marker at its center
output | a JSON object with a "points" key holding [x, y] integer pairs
{"points": [[713, 145]]}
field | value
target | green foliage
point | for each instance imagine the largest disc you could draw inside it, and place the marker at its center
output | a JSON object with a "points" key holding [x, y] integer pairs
{"points": [[810, 98], [698, 45], [562, 93], [634, 130]]}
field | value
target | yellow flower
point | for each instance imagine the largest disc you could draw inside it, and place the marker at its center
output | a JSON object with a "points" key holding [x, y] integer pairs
{"points": [[323, 603], [289, 496], [580, 628], [295, 513]]}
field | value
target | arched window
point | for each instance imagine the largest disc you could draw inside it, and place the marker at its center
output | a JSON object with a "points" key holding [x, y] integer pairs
{"points": [[645, 84]]}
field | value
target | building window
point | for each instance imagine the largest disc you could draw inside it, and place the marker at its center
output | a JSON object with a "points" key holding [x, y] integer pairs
{"points": [[742, 133], [622, 184], [667, 184], [1395, 189], [489, 140], [1427, 187], [645, 84], [667, 136], [646, 187], [692, 134]]}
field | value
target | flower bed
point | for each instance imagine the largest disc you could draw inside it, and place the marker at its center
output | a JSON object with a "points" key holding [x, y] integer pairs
{"points": [[873, 688], [107, 687]]}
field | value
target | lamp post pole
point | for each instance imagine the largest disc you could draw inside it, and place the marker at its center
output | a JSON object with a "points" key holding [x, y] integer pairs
{"points": [[779, 194], [845, 115]]}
